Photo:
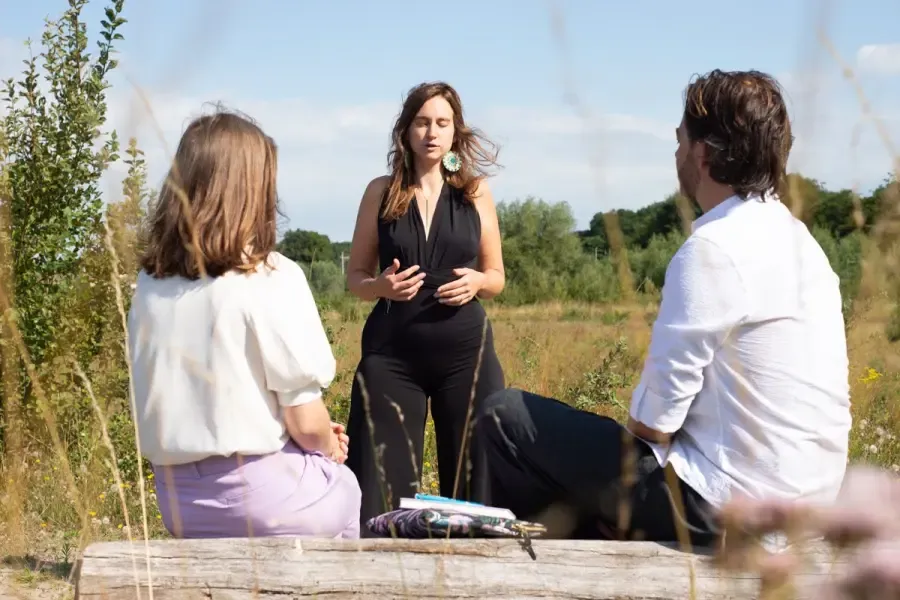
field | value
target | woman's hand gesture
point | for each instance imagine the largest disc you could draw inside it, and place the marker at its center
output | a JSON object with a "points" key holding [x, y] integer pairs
{"points": [[462, 290], [402, 286]]}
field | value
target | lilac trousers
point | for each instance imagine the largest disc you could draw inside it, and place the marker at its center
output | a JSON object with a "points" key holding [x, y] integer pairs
{"points": [[288, 493]]}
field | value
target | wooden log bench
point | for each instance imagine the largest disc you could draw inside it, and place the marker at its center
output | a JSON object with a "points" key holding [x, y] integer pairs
{"points": [[265, 568]]}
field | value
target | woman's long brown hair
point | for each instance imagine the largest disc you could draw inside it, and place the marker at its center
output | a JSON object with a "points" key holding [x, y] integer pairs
{"points": [[468, 143]]}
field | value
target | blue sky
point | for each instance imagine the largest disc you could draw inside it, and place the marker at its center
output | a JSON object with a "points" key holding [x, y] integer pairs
{"points": [[326, 78]]}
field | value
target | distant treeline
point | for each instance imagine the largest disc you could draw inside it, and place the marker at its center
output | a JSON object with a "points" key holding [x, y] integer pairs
{"points": [[622, 251]]}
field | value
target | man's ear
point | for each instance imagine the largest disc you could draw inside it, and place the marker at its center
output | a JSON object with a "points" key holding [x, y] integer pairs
{"points": [[700, 153]]}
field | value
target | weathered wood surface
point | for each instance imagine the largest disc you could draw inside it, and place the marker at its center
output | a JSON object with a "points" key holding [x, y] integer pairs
{"points": [[422, 569]]}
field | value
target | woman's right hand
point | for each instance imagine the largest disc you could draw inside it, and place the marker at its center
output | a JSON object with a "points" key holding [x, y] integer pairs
{"points": [[340, 443], [402, 286]]}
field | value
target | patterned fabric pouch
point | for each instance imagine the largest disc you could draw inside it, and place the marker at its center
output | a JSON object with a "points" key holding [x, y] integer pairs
{"points": [[421, 523]]}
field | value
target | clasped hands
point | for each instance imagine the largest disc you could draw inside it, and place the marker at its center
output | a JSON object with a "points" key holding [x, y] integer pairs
{"points": [[401, 286]]}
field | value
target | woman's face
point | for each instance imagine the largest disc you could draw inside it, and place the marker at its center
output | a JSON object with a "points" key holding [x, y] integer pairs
{"points": [[431, 132]]}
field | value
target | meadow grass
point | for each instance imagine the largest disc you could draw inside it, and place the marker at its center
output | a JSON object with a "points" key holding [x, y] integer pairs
{"points": [[588, 355], [71, 476]]}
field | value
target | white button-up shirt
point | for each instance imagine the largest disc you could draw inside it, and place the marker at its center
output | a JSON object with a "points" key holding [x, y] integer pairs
{"points": [[748, 360]]}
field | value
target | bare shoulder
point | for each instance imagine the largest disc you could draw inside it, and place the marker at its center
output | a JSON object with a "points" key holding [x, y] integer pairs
{"points": [[372, 196], [380, 183], [483, 197], [377, 186]]}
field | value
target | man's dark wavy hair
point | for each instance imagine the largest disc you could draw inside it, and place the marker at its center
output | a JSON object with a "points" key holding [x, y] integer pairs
{"points": [[742, 118]]}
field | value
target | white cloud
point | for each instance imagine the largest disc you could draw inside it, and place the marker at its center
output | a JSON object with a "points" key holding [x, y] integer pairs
{"points": [[326, 154], [553, 122], [329, 152], [881, 59], [612, 174], [595, 163], [835, 142]]}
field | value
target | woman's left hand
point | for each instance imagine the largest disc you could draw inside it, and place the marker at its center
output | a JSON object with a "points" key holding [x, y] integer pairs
{"points": [[461, 291]]}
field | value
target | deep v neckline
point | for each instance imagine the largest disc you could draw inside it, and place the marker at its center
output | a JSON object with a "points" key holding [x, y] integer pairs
{"points": [[427, 232]]}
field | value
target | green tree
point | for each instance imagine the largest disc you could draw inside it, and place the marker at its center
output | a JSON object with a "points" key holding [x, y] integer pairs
{"points": [[54, 151], [126, 218], [56, 155], [541, 254], [340, 248], [325, 279], [639, 227], [93, 331], [126, 221], [306, 247]]}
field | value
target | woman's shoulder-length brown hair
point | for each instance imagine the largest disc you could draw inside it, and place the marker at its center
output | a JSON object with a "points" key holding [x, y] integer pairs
{"points": [[475, 151], [216, 211]]}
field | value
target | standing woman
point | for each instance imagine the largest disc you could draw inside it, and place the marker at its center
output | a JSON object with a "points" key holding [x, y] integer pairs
{"points": [[431, 229]]}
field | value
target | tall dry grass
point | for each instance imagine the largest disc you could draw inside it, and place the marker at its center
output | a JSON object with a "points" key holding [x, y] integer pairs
{"points": [[68, 484], [588, 355]]}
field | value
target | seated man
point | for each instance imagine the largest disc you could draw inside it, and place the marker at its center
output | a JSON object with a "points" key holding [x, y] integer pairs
{"points": [[745, 387]]}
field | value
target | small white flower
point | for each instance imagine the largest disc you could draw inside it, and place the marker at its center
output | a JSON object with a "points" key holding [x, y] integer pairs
{"points": [[126, 529], [879, 431], [873, 449], [105, 520], [863, 424]]}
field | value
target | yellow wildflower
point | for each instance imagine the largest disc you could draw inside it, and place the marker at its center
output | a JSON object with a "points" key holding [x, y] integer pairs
{"points": [[870, 376]]}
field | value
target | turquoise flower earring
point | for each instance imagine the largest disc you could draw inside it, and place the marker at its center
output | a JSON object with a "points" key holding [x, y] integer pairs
{"points": [[451, 161]]}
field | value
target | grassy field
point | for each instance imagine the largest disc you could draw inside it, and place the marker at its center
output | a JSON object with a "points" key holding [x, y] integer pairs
{"points": [[589, 355], [69, 471]]}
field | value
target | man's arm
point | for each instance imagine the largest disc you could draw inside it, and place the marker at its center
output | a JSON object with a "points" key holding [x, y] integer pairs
{"points": [[703, 299], [647, 434]]}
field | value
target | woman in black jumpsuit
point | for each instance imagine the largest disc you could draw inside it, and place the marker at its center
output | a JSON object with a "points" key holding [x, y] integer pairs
{"points": [[427, 336]]}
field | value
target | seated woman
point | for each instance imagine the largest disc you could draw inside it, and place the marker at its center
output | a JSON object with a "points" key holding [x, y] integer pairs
{"points": [[229, 354]]}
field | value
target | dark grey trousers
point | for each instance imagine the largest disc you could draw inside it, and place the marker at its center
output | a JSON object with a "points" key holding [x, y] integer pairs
{"points": [[584, 476]]}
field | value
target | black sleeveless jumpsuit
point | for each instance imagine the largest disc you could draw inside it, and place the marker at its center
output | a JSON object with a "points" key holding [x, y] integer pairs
{"points": [[421, 349]]}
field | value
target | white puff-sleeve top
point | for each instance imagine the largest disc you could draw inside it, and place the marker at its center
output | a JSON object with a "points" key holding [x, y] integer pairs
{"points": [[214, 360]]}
